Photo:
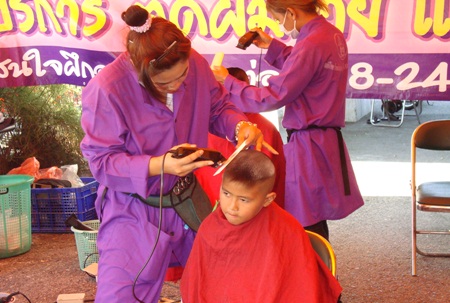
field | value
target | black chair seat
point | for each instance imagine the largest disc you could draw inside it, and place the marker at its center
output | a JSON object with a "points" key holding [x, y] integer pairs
{"points": [[434, 193]]}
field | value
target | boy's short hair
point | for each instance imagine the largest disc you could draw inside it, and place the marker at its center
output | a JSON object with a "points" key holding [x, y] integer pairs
{"points": [[238, 73], [251, 168]]}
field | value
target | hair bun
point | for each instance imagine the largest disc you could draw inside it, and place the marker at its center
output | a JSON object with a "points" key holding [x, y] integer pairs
{"points": [[135, 16]]}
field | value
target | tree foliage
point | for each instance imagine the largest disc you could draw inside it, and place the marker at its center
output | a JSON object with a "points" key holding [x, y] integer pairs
{"points": [[47, 126]]}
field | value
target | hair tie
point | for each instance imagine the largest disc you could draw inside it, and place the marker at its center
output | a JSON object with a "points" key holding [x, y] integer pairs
{"points": [[143, 28]]}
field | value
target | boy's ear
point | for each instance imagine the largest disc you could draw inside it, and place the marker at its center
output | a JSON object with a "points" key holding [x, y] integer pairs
{"points": [[269, 199]]}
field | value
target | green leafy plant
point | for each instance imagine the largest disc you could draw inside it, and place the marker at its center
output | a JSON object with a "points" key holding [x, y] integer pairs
{"points": [[47, 126]]}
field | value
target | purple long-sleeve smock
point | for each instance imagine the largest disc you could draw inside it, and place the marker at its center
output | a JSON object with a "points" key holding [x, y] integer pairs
{"points": [[124, 127], [311, 85]]}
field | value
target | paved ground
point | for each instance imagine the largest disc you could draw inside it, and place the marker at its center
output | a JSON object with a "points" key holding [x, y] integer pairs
{"points": [[372, 245]]}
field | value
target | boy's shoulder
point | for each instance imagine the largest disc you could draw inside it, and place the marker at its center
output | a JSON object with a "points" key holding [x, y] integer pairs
{"points": [[283, 216]]}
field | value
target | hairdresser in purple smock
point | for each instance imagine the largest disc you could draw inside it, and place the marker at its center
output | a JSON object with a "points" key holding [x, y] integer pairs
{"points": [[320, 182], [157, 95]]}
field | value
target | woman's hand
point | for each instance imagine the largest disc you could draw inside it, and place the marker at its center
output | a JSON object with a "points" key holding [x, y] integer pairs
{"points": [[220, 72], [179, 167], [249, 132], [263, 40]]}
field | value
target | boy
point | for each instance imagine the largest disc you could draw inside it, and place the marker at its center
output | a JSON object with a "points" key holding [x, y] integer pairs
{"points": [[251, 250]]}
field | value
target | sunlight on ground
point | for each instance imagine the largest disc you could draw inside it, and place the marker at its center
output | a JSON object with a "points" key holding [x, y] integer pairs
{"points": [[393, 178]]}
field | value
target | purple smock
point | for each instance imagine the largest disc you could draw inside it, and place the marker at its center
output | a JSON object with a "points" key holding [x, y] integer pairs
{"points": [[311, 85], [124, 127]]}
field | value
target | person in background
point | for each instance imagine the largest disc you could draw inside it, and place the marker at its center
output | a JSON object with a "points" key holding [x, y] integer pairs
{"points": [[156, 96], [251, 250], [311, 84], [211, 184]]}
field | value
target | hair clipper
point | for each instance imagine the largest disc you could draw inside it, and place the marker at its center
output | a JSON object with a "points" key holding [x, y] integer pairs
{"points": [[246, 40], [208, 154]]}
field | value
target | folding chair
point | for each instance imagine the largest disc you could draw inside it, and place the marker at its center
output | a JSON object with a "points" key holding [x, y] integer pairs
{"points": [[390, 117], [324, 250], [431, 196]]}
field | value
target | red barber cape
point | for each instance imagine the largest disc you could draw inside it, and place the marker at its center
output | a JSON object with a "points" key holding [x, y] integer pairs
{"points": [[268, 259]]}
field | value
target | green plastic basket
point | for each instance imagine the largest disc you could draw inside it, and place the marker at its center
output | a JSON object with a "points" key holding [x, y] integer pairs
{"points": [[15, 214], [86, 241]]}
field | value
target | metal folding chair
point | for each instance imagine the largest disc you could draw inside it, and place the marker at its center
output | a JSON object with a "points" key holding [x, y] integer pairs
{"points": [[433, 196], [392, 120]]}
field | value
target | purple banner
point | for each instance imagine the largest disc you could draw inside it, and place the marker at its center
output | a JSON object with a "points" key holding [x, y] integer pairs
{"points": [[399, 76], [42, 65], [388, 76], [397, 48]]}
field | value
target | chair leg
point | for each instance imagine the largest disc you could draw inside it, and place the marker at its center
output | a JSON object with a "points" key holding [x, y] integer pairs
{"points": [[415, 110], [413, 240], [371, 119], [388, 124], [427, 254], [414, 249]]}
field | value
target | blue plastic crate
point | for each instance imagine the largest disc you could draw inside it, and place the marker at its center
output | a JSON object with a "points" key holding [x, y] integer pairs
{"points": [[50, 207]]}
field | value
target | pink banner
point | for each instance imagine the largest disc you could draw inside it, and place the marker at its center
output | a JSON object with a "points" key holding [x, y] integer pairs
{"points": [[398, 48]]}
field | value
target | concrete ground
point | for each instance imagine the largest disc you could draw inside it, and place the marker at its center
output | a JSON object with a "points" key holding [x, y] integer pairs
{"points": [[372, 246]]}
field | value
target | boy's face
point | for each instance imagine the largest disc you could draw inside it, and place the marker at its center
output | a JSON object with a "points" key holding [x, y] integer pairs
{"points": [[241, 203]]}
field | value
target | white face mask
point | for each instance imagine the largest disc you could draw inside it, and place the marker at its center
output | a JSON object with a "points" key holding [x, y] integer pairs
{"points": [[293, 32]]}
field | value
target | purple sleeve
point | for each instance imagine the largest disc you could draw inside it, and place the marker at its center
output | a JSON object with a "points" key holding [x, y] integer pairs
{"points": [[277, 53], [282, 89], [104, 146]]}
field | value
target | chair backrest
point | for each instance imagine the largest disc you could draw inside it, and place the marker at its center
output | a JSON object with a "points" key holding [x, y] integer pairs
{"points": [[431, 135], [324, 250], [434, 135]]}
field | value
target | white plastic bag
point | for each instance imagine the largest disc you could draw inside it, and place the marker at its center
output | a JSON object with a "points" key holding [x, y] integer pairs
{"points": [[70, 173]]}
